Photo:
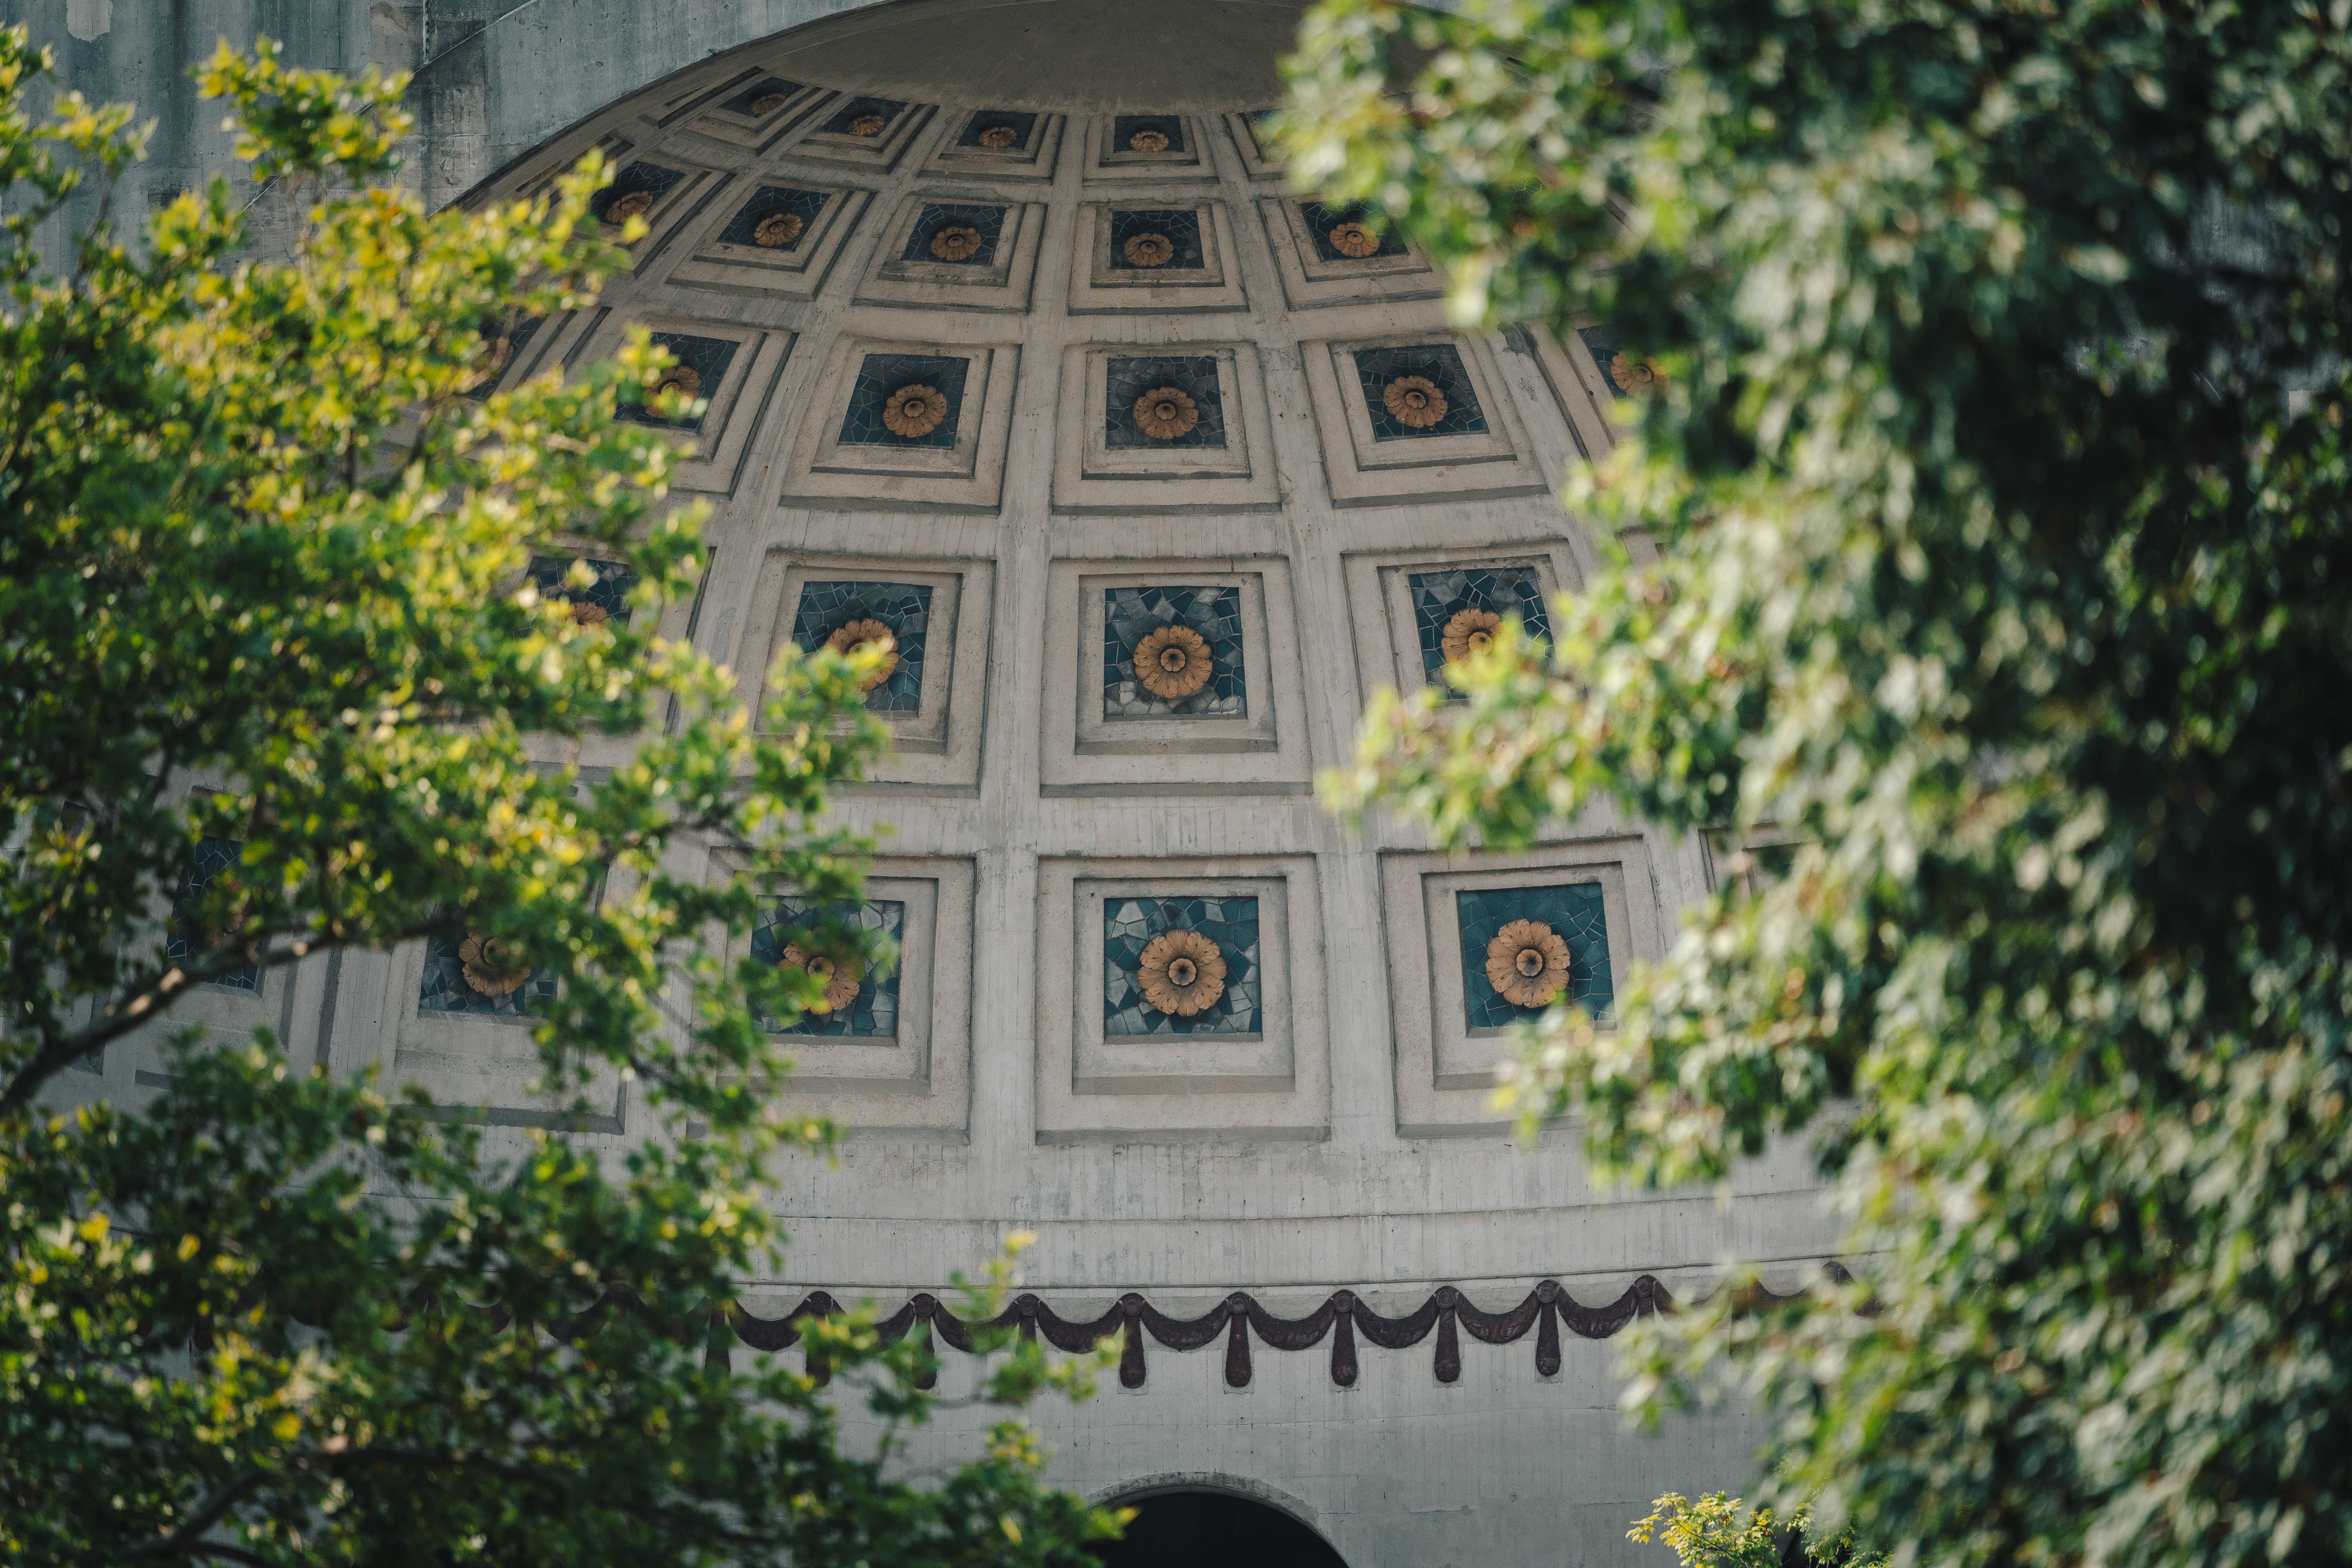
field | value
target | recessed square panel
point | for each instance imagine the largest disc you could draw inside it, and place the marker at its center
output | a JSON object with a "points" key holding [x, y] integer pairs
{"points": [[1415, 611], [936, 611], [998, 143], [755, 109], [1147, 146], [701, 370], [895, 425], [956, 250], [1403, 418], [1477, 945], [731, 369], [860, 1003], [858, 130], [1162, 256], [1260, 159], [1180, 999], [905, 401], [1175, 678], [605, 597], [1195, 413], [776, 235], [1340, 255], [662, 193]]}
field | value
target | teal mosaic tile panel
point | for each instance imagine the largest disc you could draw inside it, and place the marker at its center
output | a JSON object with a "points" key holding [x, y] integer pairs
{"points": [[610, 592], [1322, 218], [653, 179], [1022, 126], [707, 357], [1131, 615], [182, 942], [1439, 597], [873, 1012], [773, 201], [1574, 910], [880, 375], [988, 222], [857, 109], [1441, 366], [443, 987], [1180, 226], [772, 87], [1123, 128], [905, 607], [1128, 926], [1194, 375]]}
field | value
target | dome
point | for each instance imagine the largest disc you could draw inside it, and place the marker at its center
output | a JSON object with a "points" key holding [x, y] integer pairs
{"points": [[1018, 347]]}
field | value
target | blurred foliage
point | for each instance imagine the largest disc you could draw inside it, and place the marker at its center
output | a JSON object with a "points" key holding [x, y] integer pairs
{"points": [[1984, 553], [264, 529]]}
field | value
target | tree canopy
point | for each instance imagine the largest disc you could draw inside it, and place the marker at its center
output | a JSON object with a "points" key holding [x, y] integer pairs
{"points": [[268, 604], [1982, 590]]}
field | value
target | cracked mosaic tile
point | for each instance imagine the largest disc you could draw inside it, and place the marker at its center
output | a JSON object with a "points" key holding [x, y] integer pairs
{"points": [[1125, 381], [1131, 616], [797, 207], [1128, 926], [1138, 234], [985, 223], [444, 988], [873, 1012], [864, 422], [1439, 597], [1168, 128], [652, 181], [905, 607], [610, 592], [986, 131], [852, 117], [1575, 913], [705, 360], [182, 942], [1359, 226], [1378, 372]]}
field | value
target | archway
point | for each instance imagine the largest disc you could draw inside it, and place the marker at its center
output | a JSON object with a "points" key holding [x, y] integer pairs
{"points": [[1190, 1526]]}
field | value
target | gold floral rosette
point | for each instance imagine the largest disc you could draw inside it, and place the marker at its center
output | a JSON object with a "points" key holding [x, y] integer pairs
{"points": [[491, 965], [1173, 662], [1182, 972], [914, 411], [840, 980], [1527, 963], [860, 633]]}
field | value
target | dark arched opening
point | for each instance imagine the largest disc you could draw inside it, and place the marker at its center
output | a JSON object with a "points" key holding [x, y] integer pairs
{"points": [[1187, 1529]]}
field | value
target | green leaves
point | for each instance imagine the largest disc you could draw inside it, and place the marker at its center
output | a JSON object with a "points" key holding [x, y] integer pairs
{"points": [[290, 667], [1982, 602]]}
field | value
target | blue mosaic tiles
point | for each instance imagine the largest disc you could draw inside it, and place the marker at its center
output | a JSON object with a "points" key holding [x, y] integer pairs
{"points": [[1438, 364], [610, 592], [988, 222], [845, 119], [707, 358], [882, 375], [1610, 354], [1321, 219], [873, 1012], [653, 179], [181, 940], [1128, 926], [1194, 375], [1575, 913], [1126, 127], [904, 608], [977, 129], [1439, 597], [443, 988], [1131, 615], [744, 102], [1179, 226], [776, 201]]}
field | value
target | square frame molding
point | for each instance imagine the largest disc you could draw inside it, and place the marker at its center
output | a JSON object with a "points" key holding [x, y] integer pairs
{"points": [[723, 115], [709, 459], [921, 1078], [1258, 161], [1379, 594], [966, 477], [1365, 471], [1275, 1085], [1263, 752], [1309, 280], [1099, 286], [1107, 161], [891, 279], [1033, 158], [1090, 475], [794, 272], [810, 139], [1445, 1069], [939, 744]]}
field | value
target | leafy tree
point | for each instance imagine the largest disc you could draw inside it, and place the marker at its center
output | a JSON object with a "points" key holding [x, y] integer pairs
{"points": [[1718, 1531], [1986, 597], [264, 533]]}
